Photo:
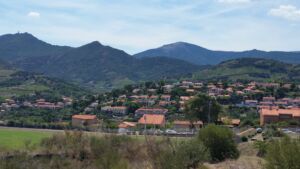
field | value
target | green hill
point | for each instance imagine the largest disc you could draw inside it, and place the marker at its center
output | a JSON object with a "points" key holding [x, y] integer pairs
{"points": [[17, 83], [251, 69]]}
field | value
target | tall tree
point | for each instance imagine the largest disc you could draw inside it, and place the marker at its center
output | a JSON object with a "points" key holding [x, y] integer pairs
{"points": [[203, 107]]}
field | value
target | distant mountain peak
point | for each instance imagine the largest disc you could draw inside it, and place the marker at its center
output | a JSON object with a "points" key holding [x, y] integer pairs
{"points": [[92, 45], [181, 44], [24, 36], [95, 43]]}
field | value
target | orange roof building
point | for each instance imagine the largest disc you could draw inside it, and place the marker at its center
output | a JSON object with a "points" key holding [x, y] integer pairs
{"points": [[152, 119], [269, 115], [80, 120]]}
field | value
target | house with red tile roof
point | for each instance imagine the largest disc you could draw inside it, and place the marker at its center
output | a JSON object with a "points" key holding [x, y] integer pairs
{"points": [[81, 120], [271, 115], [153, 120]]}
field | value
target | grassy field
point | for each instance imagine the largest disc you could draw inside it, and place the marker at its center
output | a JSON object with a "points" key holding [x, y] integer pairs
{"points": [[17, 138], [13, 139]]}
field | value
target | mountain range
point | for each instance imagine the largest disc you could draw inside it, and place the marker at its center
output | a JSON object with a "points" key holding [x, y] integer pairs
{"points": [[93, 64], [103, 67], [202, 56]]}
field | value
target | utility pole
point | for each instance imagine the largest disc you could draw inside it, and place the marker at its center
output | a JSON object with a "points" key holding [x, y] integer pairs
{"points": [[145, 127], [209, 107]]}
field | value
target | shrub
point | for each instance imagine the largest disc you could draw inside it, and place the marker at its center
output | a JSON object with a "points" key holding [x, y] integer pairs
{"points": [[261, 146], [165, 154], [283, 153], [244, 139], [219, 141]]}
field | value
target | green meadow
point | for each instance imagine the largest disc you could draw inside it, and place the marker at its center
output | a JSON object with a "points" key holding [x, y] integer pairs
{"points": [[13, 139]]}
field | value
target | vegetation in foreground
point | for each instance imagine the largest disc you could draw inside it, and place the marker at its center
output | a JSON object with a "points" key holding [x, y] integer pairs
{"points": [[78, 150]]}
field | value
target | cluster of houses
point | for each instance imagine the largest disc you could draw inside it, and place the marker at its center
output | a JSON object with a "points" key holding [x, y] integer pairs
{"points": [[9, 104], [154, 105], [154, 117], [273, 102]]}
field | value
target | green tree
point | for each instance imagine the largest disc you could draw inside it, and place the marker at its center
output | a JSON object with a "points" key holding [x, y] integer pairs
{"points": [[132, 107], [203, 107], [220, 142]]}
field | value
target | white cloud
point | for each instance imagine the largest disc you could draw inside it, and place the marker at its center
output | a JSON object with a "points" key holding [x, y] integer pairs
{"points": [[288, 12], [34, 14], [234, 1]]}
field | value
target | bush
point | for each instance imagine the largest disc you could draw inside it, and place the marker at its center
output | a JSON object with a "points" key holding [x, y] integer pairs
{"points": [[283, 153], [219, 141], [244, 139], [261, 146], [165, 154]]}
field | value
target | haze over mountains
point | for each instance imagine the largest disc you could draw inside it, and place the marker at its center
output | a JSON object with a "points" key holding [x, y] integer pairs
{"points": [[104, 67], [202, 56]]}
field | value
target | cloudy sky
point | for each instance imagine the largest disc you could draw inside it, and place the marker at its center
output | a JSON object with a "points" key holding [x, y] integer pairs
{"points": [[136, 25]]}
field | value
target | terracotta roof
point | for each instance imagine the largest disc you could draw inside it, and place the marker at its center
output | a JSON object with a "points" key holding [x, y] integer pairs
{"points": [[276, 112], [126, 124], [235, 121], [154, 119], [84, 117]]}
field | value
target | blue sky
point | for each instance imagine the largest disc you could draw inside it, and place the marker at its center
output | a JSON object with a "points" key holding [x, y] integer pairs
{"points": [[136, 25]]}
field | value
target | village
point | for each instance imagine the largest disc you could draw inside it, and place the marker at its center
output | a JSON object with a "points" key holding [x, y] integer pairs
{"points": [[159, 108]]}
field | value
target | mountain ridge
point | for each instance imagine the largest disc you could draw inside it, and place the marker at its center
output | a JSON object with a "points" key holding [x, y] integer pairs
{"points": [[202, 56], [92, 64]]}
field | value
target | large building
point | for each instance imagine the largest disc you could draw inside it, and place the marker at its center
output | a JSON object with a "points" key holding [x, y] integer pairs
{"points": [[271, 115], [81, 120]]}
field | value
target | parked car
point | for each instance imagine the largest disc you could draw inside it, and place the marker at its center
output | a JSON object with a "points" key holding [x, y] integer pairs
{"points": [[259, 130], [169, 131]]}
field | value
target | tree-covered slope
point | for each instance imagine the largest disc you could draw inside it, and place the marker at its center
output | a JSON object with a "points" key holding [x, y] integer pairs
{"points": [[251, 69], [14, 47], [16, 83], [102, 66]]}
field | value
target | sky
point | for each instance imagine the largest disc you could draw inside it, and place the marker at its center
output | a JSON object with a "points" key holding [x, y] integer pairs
{"points": [[137, 25]]}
